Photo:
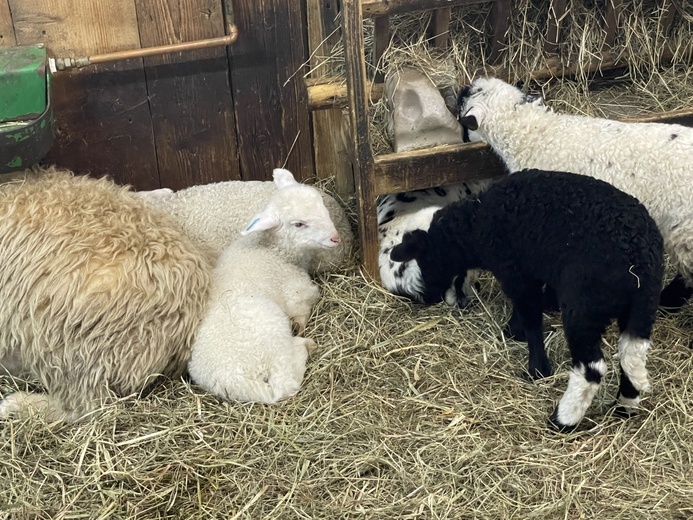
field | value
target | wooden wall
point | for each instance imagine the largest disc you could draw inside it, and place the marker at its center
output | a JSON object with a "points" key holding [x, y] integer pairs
{"points": [[180, 119]]}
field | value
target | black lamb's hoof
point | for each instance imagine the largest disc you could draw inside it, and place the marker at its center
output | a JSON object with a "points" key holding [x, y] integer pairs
{"points": [[624, 412], [516, 333], [556, 425], [541, 371]]}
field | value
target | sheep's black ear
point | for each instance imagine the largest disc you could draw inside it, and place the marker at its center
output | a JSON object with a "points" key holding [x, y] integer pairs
{"points": [[412, 247], [469, 122]]}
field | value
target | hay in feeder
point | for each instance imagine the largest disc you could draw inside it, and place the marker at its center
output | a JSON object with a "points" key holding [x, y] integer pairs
{"points": [[406, 412]]}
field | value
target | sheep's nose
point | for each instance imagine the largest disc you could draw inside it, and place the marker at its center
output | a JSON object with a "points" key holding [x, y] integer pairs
{"points": [[336, 239]]}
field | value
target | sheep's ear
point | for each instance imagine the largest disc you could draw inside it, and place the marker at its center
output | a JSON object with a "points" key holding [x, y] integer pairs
{"points": [[469, 122], [267, 219], [283, 178], [412, 247]]}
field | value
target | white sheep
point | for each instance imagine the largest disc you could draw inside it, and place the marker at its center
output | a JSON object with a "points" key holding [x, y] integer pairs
{"points": [[244, 349], [214, 214], [98, 293], [651, 161]]}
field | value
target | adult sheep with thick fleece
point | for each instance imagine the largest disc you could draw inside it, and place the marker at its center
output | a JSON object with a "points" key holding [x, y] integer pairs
{"points": [[214, 214], [595, 245], [244, 348], [98, 293], [651, 161]]}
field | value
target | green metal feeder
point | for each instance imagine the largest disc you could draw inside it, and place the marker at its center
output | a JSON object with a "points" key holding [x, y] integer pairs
{"points": [[26, 116]]}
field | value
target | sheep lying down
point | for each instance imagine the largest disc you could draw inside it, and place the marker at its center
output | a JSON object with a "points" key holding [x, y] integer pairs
{"points": [[596, 246], [244, 349], [98, 293]]}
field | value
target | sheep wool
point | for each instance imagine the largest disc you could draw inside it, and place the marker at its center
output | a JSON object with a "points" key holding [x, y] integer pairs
{"points": [[214, 214], [244, 349], [650, 161], [98, 293], [596, 246]]}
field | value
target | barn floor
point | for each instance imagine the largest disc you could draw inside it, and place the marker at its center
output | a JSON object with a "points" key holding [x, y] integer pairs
{"points": [[406, 412]]}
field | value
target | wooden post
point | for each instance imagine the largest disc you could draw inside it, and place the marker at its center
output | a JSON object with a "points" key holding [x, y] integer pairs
{"points": [[441, 27], [500, 18], [557, 11], [359, 138], [667, 17], [613, 14], [329, 147], [381, 35], [189, 93]]}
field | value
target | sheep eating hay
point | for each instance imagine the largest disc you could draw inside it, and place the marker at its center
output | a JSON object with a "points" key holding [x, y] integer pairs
{"points": [[244, 348], [595, 245], [97, 293], [651, 161]]}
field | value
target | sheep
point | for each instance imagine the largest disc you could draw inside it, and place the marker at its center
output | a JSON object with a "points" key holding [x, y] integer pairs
{"points": [[214, 214], [98, 293], [244, 349], [596, 246], [650, 161], [402, 212]]}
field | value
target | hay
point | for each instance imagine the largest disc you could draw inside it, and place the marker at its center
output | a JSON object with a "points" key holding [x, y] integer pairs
{"points": [[645, 85], [406, 412]]}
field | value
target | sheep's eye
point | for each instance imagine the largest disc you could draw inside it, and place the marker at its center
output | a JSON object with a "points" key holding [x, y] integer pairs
{"points": [[299, 224]]}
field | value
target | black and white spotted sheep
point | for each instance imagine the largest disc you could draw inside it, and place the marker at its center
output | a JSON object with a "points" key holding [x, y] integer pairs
{"points": [[408, 211], [596, 246]]}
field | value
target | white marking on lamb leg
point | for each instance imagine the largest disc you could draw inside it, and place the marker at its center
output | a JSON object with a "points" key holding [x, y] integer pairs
{"points": [[579, 394], [632, 353]]}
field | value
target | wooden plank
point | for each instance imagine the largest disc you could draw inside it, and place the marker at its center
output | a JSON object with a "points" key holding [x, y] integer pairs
{"points": [[611, 19], [667, 17], [189, 93], [382, 7], [329, 148], [557, 11], [437, 166], [500, 18], [268, 89], [441, 27], [322, 96], [102, 115], [359, 138], [7, 38], [381, 37]]}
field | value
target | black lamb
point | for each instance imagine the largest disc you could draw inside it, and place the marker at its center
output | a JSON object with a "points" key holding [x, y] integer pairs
{"points": [[596, 246]]}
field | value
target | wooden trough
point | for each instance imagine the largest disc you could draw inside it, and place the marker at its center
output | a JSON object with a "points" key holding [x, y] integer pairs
{"points": [[376, 175]]}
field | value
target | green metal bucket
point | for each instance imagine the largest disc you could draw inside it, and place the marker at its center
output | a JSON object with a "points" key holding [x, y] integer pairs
{"points": [[26, 115]]}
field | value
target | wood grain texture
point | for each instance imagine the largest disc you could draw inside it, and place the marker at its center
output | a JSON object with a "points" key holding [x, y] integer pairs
{"points": [[189, 93], [7, 38], [557, 11], [329, 147], [267, 68], [102, 116], [380, 7]]}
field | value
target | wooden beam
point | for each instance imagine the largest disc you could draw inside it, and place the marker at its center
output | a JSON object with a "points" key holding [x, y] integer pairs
{"points": [[611, 20], [557, 11], [667, 17], [7, 38], [189, 93], [373, 8], [441, 27], [381, 37], [500, 18], [329, 148], [359, 135], [437, 166]]}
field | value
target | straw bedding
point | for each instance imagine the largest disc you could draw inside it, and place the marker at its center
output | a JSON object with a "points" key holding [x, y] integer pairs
{"points": [[406, 411]]}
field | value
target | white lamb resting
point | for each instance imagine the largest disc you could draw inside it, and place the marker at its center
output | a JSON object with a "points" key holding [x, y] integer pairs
{"points": [[244, 348], [650, 161], [214, 214]]}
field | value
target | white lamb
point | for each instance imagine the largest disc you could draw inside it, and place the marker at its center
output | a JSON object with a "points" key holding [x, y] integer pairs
{"points": [[213, 215], [651, 161], [244, 348]]}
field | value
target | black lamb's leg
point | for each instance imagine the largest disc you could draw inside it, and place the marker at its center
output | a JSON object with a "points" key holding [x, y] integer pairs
{"points": [[675, 295]]}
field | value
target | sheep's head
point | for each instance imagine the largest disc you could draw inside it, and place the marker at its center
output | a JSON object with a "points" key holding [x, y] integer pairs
{"points": [[487, 96], [437, 270], [296, 215]]}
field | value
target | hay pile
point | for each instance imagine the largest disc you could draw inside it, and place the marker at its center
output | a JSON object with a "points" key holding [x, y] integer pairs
{"points": [[644, 85], [406, 412]]}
